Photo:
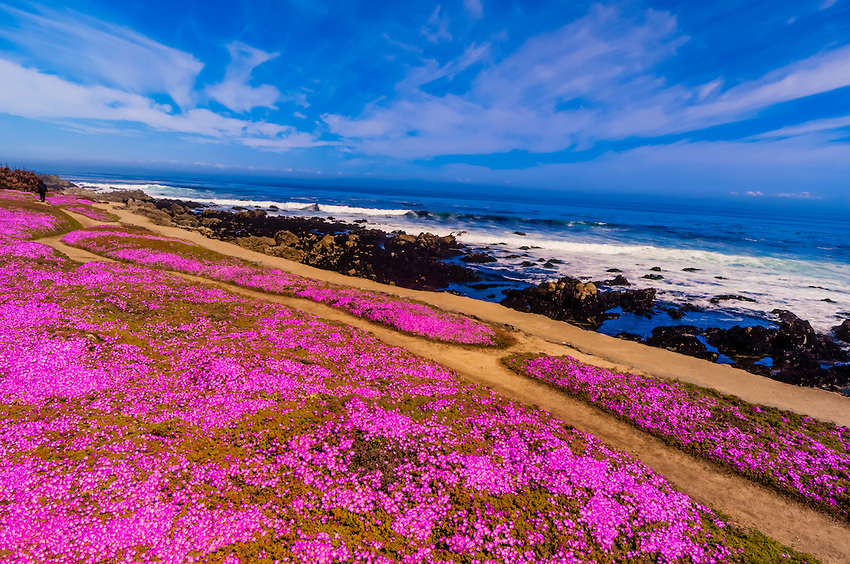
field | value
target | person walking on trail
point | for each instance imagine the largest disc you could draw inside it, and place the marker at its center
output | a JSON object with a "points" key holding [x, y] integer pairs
{"points": [[42, 190]]}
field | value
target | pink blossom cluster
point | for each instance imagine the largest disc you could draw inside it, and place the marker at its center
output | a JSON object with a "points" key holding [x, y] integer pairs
{"points": [[79, 205], [161, 252], [796, 454], [21, 222], [145, 418]]}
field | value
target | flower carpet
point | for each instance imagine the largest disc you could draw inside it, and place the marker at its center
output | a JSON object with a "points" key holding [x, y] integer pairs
{"points": [[82, 206], [143, 247], [144, 418], [795, 454]]}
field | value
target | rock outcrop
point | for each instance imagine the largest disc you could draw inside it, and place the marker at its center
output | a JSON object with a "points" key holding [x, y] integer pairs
{"points": [[570, 299], [842, 332], [797, 353], [412, 261]]}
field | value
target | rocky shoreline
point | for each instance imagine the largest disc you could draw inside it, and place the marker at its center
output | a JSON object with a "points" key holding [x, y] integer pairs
{"points": [[409, 261], [791, 352]]}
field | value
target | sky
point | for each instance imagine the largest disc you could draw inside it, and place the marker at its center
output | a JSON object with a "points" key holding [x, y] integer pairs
{"points": [[739, 99]]}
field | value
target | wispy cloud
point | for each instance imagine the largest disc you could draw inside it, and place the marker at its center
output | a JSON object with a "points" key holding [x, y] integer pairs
{"points": [[820, 73], [595, 79], [822, 126], [30, 93], [99, 76], [799, 196], [98, 52], [437, 28], [235, 91], [516, 103]]}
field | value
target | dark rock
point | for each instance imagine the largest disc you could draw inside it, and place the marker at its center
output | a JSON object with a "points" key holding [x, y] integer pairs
{"points": [[478, 258], [569, 299], [656, 269], [796, 349], [520, 233], [827, 300], [743, 342], [613, 270], [680, 312], [653, 277], [720, 277], [691, 269], [842, 331], [684, 339], [797, 335], [730, 297], [54, 182], [405, 260], [526, 264], [618, 280]]}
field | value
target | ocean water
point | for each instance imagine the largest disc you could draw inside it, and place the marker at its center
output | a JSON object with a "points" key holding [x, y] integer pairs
{"points": [[799, 263]]}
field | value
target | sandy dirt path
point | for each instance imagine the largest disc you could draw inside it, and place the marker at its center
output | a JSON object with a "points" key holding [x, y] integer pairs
{"points": [[747, 503], [597, 349]]}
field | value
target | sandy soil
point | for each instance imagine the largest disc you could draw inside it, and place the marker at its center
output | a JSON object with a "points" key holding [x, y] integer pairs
{"points": [[747, 503]]}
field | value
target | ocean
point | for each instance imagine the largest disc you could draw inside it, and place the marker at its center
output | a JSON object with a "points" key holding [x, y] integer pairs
{"points": [[795, 262]]}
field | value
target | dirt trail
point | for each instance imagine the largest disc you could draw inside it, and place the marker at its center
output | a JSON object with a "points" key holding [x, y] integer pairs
{"points": [[747, 503], [601, 350]]}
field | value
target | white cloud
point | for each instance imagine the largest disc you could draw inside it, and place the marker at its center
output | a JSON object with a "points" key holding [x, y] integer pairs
{"points": [[820, 73], [799, 196], [813, 126], [475, 9], [235, 91], [594, 79], [33, 94], [514, 104], [103, 53], [827, 4]]}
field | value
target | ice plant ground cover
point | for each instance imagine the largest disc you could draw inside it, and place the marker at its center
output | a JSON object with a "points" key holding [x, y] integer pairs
{"points": [[143, 247], [144, 418], [82, 206], [798, 455], [23, 217]]}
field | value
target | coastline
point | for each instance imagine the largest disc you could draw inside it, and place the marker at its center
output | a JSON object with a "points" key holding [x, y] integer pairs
{"points": [[591, 347], [785, 348], [748, 504]]}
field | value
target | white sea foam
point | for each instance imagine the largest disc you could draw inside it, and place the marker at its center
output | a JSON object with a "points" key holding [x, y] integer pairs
{"points": [[150, 188], [302, 206], [165, 191], [775, 283]]}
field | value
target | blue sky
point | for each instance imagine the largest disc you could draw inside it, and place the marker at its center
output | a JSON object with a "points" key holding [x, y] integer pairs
{"points": [[727, 97]]}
